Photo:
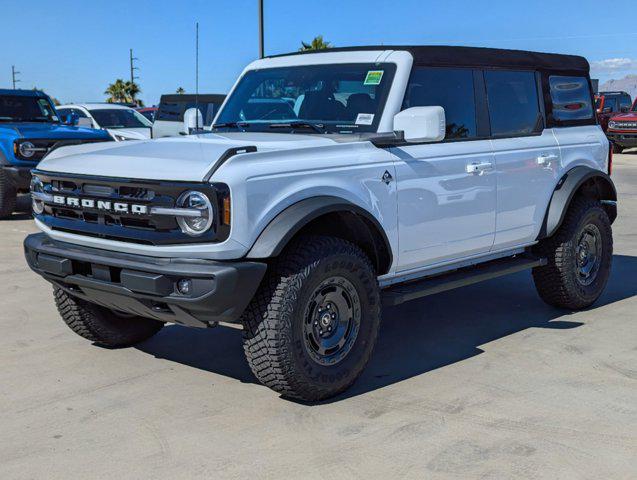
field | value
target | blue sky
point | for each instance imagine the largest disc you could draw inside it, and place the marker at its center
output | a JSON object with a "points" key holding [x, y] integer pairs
{"points": [[73, 49]]}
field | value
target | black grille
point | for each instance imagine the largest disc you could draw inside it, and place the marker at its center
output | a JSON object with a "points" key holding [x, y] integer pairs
{"points": [[144, 228]]}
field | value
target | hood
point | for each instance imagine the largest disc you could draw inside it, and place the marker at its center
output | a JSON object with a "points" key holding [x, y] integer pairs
{"points": [[54, 130], [187, 159], [624, 117], [142, 133]]}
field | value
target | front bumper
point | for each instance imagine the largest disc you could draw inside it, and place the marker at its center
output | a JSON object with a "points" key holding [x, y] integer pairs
{"points": [[20, 176], [147, 286], [623, 139]]}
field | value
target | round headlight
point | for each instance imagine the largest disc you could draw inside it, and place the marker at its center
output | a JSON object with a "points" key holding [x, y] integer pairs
{"points": [[195, 225], [27, 149], [37, 187], [611, 124]]}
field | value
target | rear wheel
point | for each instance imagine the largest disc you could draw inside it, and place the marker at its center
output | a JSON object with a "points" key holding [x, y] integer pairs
{"points": [[311, 328], [579, 257], [7, 195], [101, 325]]}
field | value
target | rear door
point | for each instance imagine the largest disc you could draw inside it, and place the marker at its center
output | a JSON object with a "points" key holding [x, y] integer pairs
{"points": [[527, 155], [446, 191]]}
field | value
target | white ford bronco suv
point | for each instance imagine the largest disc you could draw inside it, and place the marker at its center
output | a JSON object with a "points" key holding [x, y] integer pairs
{"points": [[333, 183]]}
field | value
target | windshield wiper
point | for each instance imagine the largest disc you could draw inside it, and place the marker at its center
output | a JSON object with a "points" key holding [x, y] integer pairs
{"points": [[231, 125], [317, 127]]}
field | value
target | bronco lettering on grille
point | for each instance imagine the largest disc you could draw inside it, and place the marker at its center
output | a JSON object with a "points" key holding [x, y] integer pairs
{"points": [[103, 205]]}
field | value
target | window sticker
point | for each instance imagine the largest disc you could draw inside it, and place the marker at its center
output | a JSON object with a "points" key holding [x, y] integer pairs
{"points": [[373, 77], [364, 119], [55, 118]]}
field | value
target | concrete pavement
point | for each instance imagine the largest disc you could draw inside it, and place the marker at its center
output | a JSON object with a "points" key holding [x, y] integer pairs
{"points": [[482, 382]]}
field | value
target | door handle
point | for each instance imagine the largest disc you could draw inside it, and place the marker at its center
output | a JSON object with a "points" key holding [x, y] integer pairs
{"points": [[545, 160], [478, 168]]}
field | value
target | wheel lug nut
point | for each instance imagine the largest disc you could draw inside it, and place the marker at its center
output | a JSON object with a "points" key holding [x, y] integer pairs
{"points": [[329, 329], [333, 315]]}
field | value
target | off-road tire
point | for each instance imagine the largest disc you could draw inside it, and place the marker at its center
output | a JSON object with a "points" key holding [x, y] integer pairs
{"points": [[557, 282], [274, 341], [617, 148], [7, 196], [101, 325]]}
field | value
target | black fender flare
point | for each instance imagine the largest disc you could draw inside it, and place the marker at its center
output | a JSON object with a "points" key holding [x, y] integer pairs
{"points": [[292, 219], [566, 189]]}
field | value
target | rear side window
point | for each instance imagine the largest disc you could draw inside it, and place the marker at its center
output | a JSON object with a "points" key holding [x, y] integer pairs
{"points": [[514, 108], [450, 88], [571, 98]]}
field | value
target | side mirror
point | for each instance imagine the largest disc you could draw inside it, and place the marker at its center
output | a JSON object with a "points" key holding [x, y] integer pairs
{"points": [[192, 119], [421, 124], [71, 119]]}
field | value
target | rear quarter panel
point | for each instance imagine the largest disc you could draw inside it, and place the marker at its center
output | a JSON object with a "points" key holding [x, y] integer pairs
{"points": [[585, 145]]}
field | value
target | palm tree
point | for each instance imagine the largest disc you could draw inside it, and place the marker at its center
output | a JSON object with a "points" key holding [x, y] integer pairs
{"points": [[116, 92], [132, 90], [317, 44], [180, 91]]}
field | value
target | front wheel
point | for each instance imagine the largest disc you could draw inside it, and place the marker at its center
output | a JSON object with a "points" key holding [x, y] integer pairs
{"points": [[8, 195], [101, 325], [312, 326], [579, 257]]}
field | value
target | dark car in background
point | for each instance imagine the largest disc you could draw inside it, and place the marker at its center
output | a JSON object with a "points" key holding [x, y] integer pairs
{"points": [[169, 120], [622, 130], [148, 112], [30, 128], [609, 104]]}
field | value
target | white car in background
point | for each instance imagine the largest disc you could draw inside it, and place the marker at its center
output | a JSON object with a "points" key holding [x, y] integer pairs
{"points": [[122, 122]]}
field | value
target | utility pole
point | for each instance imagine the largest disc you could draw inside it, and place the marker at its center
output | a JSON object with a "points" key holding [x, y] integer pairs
{"points": [[261, 46], [133, 67], [14, 75]]}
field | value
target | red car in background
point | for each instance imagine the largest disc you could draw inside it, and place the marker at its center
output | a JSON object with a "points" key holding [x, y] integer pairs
{"points": [[609, 104], [148, 112], [622, 130]]}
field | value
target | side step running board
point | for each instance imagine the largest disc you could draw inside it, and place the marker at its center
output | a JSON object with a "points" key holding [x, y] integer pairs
{"points": [[458, 278]]}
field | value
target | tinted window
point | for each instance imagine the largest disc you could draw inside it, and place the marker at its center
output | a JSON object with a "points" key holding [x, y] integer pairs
{"points": [[571, 97], [26, 109], [174, 111], [513, 103], [119, 118], [625, 102], [610, 103], [450, 88]]}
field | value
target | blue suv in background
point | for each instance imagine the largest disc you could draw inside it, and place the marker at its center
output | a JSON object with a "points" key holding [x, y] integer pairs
{"points": [[30, 128]]}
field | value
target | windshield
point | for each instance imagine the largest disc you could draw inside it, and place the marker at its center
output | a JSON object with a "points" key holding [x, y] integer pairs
{"points": [[18, 108], [335, 98], [120, 118]]}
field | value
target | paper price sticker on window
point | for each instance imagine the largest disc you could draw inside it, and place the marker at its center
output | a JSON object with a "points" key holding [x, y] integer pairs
{"points": [[364, 119], [373, 77]]}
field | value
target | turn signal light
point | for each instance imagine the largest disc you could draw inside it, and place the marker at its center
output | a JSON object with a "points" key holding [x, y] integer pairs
{"points": [[225, 217]]}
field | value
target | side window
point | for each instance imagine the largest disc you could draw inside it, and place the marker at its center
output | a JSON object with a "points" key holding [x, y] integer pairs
{"points": [[449, 88], [513, 103], [625, 103], [610, 104], [80, 113], [571, 98]]}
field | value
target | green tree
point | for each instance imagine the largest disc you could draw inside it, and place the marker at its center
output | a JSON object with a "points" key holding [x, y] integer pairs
{"points": [[116, 92], [317, 43], [180, 91], [123, 92]]}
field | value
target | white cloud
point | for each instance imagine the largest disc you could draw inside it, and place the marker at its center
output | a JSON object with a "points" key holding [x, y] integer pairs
{"points": [[614, 65]]}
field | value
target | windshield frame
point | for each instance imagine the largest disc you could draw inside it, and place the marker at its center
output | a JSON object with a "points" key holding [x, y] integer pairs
{"points": [[314, 126], [54, 117], [138, 116]]}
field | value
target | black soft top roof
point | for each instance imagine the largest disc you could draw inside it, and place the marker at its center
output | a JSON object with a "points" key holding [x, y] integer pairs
{"points": [[190, 97], [476, 57]]}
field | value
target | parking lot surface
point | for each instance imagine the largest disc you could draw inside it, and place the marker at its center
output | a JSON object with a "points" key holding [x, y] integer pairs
{"points": [[481, 382]]}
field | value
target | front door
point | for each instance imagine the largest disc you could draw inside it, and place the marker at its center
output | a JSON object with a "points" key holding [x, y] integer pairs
{"points": [[446, 191]]}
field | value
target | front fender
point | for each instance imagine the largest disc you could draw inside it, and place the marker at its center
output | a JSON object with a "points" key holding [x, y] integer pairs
{"points": [[566, 189], [290, 221]]}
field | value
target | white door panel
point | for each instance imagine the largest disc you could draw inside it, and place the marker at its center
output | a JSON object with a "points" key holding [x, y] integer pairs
{"points": [[446, 201], [527, 169]]}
